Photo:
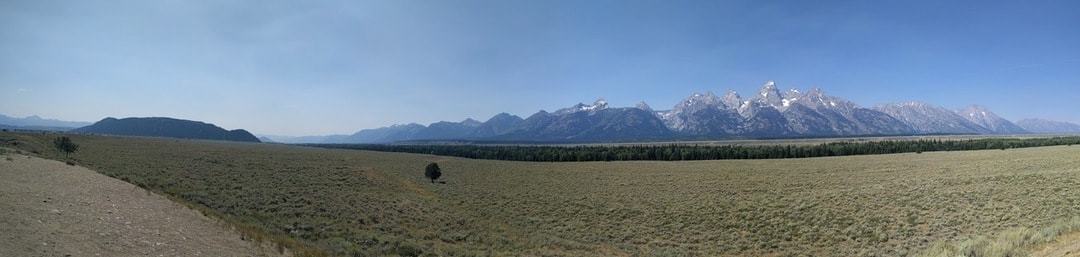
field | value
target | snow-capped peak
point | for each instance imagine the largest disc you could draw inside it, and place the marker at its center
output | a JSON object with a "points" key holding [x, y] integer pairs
{"points": [[644, 106], [769, 88], [699, 98], [770, 96], [732, 99], [598, 105]]}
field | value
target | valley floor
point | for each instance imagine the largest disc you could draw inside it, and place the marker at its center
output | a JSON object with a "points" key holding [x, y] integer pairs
{"points": [[364, 203]]}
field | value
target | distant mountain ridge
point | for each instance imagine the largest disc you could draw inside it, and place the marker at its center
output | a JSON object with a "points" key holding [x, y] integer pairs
{"points": [[165, 127], [981, 115], [1048, 127], [705, 116], [38, 123], [925, 118]]}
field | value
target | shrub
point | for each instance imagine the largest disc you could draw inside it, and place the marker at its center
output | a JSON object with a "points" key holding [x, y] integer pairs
{"points": [[433, 172], [65, 145]]}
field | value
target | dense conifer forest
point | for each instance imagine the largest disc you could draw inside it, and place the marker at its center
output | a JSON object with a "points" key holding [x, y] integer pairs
{"points": [[677, 152]]}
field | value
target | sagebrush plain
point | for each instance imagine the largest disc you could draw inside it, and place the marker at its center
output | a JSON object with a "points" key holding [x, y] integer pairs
{"points": [[347, 202]]}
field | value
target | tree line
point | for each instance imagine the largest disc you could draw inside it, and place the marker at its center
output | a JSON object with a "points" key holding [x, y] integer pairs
{"points": [[676, 152]]}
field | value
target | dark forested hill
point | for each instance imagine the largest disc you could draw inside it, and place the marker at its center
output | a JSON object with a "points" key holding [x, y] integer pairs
{"points": [[166, 127]]}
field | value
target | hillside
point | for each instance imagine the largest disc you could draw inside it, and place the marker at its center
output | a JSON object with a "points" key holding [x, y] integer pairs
{"points": [[165, 127]]}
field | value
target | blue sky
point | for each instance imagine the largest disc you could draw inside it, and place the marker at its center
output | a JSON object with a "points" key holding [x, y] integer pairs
{"points": [[326, 67]]}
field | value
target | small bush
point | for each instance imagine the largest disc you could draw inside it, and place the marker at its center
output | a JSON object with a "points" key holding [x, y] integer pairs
{"points": [[406, 249], [433, 172]]}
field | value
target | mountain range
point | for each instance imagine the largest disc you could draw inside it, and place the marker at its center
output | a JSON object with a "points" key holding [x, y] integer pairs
{"points": [[770, 113], [1048, 127], [706, 116], [38, 123]]}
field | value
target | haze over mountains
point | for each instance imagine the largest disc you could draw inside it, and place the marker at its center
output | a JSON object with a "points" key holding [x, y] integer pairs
{"points": [[769, 113], [705, 116], [38, 123], [1047, 126]]}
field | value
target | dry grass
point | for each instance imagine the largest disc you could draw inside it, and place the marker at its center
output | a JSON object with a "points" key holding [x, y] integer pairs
{"points": [[370, 203], [1011, 242]]}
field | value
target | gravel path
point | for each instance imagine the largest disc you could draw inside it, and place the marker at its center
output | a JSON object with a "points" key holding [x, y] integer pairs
{"points": [[48, 208]]}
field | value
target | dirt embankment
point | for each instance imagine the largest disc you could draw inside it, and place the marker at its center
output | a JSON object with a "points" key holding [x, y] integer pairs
{"points": [[1065, 246], [48, 208]]}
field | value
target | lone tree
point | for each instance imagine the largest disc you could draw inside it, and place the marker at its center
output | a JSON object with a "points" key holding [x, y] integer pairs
{"points": [[65, 145], [433, 172]]}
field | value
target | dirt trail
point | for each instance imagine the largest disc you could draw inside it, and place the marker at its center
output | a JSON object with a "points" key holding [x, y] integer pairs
{"points": [[1066, 245], [48, 208]]}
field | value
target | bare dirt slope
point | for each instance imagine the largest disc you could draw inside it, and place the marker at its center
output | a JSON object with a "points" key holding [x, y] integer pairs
{"points": [[48, 208], [1065, 246]]}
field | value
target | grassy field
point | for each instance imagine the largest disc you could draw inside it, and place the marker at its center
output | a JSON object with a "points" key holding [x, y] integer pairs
{"points": [[373, 203]]}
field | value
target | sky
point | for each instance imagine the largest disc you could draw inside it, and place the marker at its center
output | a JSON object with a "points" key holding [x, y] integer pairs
{"points": [[335, 67]]}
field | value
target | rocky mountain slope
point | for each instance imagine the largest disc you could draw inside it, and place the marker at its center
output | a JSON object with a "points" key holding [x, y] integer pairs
{"points": [[981, 115], [930, 119]]}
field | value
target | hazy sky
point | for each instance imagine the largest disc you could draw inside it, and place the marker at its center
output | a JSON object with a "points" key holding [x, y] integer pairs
{"points": [[323, 67]]}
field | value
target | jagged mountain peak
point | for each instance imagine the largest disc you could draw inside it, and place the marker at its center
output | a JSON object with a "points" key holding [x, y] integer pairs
{"points": [[698, 99], [598, 105], [732, 99], [770, 96], [769, 91], [502, 116], [817, 98], [644, 106], [471, 122], [732, 93]]}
